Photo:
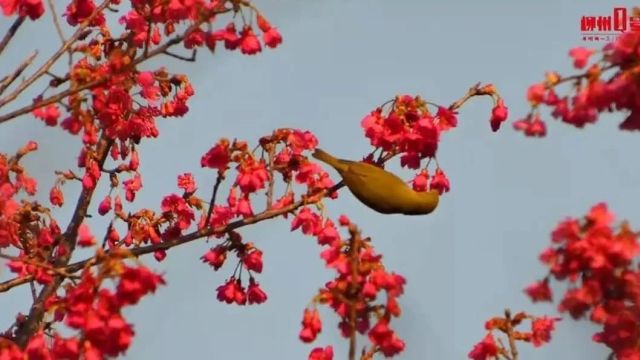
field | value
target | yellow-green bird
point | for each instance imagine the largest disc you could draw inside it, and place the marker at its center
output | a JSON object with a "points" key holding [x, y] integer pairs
{"points": [[379, 189]]}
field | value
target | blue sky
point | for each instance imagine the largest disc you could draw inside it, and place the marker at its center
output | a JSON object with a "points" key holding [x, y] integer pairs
{"points": [[340, 59]]}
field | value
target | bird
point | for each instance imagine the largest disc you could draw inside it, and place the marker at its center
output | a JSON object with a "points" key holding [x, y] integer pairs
{"points": [[379, 189]]}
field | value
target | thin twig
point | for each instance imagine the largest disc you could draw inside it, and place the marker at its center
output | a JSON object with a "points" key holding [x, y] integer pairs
{"points": [[271, 153], [61, 95], [8, 80], [191, 58], [473, 91], [11, 32], [369, 354], [33, 291], [50, 100], [56, 23], [510, 335], [214, 194], [29, 261], [49, 63], [502, 350]]}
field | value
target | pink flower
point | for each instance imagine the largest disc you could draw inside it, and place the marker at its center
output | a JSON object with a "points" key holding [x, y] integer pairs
{"points": [[85, 238], [485, 349], [420, 181], [539, 291], [253, 260], [439, 182], [498, 115], [580, 56], [321, 354], [249, 43], [255, 294], [49, 114], [542, 328]]}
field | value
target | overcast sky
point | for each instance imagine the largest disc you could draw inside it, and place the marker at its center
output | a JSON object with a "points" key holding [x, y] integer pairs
{"points": [[340, 59]]}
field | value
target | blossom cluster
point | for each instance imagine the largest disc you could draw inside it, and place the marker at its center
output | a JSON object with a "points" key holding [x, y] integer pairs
{"points": [[405, 126], [355, 293], [539, 334], [122, 102], [91, 308], [606, 85], [112, 103], [282, 154], [599, 262]]}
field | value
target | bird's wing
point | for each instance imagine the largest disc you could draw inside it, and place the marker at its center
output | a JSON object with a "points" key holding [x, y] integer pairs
{"points": [[361, 170]]}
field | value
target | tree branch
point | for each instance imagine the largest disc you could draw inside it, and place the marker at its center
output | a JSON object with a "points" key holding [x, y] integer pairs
{"points": [[47, 65], [9, 79], [354, 261], [512, 341], [205, 232], [69, 237], [72, 91], [11, 32]]}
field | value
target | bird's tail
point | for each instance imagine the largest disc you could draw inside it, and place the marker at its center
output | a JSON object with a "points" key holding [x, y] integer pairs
{"points": [[328, 159]]}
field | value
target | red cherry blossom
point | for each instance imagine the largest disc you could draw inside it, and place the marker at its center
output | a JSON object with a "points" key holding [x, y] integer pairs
{"points": [[56, 196], [31, 8], [253, 260], [485, 349], [105, 205], [311, 325], [215, 257], [217, 157], [539, 291], [439, 182], [307, 220], [249, 43], [580, 56], [541, 329], [255, 294], [499, 114], [85, 238], [421, 181], [49, 114], [321, 353], [232, 292], [187, 183]]}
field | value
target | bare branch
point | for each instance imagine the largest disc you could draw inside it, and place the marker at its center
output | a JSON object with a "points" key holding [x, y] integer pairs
{"points": [[47, 65], [8, 80], [11, 32]]}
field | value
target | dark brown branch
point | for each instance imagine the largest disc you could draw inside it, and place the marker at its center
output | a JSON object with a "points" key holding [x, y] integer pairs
{"points": [[354, 261], [11, 32], [69, 237], [214, 194], [205, 232], [191, 58], [50, 100]]}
